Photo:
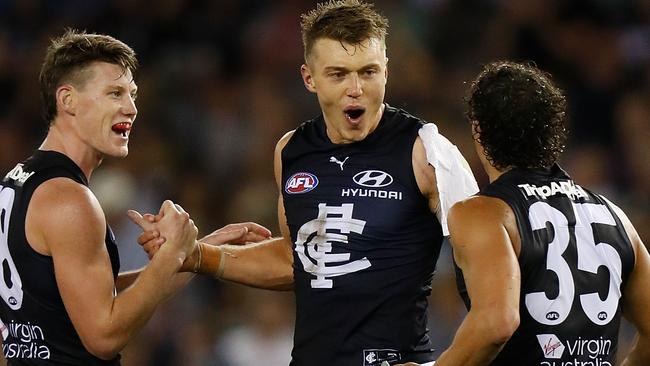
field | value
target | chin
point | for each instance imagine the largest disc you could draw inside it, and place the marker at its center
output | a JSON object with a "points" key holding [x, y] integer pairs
{"points": [[356, 136], [122, 152]]}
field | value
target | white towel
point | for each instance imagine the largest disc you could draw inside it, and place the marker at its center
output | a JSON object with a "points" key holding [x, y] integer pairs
{"points": [[453, 175]]}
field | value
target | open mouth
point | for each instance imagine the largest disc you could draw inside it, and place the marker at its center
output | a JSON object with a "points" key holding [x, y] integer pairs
{"points": [[353, 114], [122, 128]]}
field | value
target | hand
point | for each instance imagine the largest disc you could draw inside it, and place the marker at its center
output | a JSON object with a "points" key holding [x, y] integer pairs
{"points": [[172, 224], [177, 228], [150, 238], [249, 232]]}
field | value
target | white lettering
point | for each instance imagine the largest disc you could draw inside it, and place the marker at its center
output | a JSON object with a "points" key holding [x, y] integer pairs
{"points": [[26, 342], [300, 181], [568, 188], [372, 193], [18, 174], [593, 347]]}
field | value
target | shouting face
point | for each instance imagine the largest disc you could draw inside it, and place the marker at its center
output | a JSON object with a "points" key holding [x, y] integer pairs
{"points": [[350, 82]]}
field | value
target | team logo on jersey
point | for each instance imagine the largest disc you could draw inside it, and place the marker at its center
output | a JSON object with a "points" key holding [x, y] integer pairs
{"points": [[301, 183], [377, 357], [551, 346], [373, 178], [315, 239]]}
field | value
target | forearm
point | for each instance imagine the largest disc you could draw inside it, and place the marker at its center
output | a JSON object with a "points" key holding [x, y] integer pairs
{"points": [[133, 307], [477, 342], [268, 264], [126, 279]]}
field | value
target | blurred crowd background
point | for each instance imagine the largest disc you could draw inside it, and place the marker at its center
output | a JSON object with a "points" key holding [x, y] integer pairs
{"points": [[219, 84]]}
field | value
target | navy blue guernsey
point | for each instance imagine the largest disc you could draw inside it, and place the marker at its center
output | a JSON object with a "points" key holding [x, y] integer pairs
{"points": [[575, 260], [365, 245], [36, 328]]}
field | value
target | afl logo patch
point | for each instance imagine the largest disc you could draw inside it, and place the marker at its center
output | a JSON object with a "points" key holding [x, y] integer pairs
{"points": [[301, 183], [373, 178]]}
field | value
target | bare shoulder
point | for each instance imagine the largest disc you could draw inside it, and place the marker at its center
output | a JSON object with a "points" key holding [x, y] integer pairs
{"points": [[63, 212], [425, 176], [480, 217], [283, 141], [425, 173], [479, 210], [277, 158], [632, 234]]}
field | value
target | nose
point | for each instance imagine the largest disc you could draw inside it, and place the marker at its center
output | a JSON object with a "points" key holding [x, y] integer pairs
{"points": [[355, 89], [129, 108]]}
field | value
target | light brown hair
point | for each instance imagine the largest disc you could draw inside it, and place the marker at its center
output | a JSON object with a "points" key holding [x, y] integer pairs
{"points": [[68, 56], [346, 21]]}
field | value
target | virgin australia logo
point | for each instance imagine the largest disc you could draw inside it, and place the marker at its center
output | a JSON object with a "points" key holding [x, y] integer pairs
{"points": [[373, 178], [551, 345]]}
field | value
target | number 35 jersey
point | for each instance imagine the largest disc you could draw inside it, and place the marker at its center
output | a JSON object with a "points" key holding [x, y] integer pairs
{"points": [[575, 260], [365, 245]]}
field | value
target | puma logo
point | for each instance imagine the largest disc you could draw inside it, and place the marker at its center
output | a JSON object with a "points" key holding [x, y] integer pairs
{"points": [[339, 162]]}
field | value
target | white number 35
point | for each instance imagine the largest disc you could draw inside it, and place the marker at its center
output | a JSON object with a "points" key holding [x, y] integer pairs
{"points": [[591, 256]]}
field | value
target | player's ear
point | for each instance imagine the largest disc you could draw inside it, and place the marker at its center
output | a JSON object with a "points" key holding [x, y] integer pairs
{"points": [[66, 99], [386, 69], [307, 78]]}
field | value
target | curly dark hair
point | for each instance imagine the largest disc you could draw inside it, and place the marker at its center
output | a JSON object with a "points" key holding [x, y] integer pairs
{"points": [[68, 56], [348, 21], [520, 115]]}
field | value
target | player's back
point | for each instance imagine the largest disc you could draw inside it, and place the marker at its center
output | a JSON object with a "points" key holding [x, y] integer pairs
{"points": [[575, 259]]}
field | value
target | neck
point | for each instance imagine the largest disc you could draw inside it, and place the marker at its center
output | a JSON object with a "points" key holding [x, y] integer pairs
{"points": [[86, 158], [492, 172]]}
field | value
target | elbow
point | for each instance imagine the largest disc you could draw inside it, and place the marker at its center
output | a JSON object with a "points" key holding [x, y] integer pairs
{"points": [[104, 348], [501, 327]]}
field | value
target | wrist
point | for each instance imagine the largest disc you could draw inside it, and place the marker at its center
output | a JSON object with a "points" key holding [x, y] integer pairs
{"points": [[212, 261], [193, 261]]}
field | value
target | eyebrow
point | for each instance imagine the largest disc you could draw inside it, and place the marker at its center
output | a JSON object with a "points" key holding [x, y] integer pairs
{"points": [[121, 88], [341, 68]]}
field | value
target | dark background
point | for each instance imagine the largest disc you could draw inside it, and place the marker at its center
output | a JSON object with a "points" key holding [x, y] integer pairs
{"points": [[219, 84]]}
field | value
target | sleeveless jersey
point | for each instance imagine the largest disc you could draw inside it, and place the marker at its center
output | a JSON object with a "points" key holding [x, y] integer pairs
{"points": [[575, 260], [365, 245], [36, 328]]}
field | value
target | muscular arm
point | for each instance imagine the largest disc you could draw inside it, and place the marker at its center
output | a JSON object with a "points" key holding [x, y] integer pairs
{"points": [[482, 234], [637, 296], [65, 221], [267, 264], [126, 279]]}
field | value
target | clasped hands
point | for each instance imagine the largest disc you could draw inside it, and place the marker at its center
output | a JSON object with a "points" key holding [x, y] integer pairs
{"points": [[161, 228]]}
